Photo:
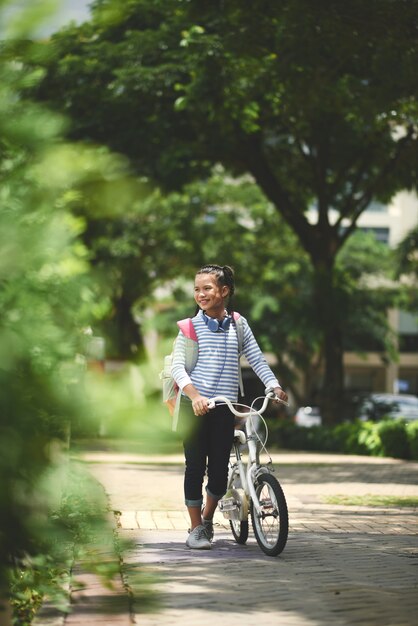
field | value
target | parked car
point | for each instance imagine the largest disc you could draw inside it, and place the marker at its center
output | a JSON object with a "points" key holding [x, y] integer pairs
{"points": [[375, 406], [308, 416]]}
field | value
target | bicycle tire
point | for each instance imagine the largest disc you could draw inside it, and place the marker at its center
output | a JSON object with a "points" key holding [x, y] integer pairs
{"points": [[272, 527], [239, 528]]}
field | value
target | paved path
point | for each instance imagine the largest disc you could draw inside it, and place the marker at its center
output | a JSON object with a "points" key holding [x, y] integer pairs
{"points": [[343, 565]]}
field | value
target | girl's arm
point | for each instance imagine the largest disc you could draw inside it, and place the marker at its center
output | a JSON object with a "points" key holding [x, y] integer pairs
{"points": [[256, 359]]}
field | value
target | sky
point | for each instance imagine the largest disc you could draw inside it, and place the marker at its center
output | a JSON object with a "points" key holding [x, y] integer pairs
{"points": [[69, 10], [66, 11]]}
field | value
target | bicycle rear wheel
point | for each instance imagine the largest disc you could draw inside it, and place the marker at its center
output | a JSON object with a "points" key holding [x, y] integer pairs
{"points": [[239, 519], [271, 526], [239, 530]]}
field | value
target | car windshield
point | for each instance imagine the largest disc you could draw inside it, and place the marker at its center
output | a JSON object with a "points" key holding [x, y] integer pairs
{"points": [[406, 404], [397, 405]]}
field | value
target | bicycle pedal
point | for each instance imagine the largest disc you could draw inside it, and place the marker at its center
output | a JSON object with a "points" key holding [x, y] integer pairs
{"points": [[227, 504]]}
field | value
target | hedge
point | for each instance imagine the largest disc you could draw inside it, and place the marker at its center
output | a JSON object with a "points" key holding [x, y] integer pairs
{"points": [[388, 437]]}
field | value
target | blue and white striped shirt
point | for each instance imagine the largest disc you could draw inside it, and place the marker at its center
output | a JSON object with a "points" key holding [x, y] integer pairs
{"points": [[216, 372]]}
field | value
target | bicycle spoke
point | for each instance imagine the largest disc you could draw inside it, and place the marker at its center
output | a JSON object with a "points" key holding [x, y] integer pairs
{"points": [[271, 523]]}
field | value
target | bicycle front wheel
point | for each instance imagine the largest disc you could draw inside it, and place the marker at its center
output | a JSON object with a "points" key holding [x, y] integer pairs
{"points": [[271, 526]]}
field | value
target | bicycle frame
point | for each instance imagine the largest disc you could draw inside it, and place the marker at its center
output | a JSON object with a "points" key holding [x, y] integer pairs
{"points": [[253, 491], [248, 475]]}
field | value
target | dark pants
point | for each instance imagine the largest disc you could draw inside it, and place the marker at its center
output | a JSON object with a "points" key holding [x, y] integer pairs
{"points": [[207, 446]]}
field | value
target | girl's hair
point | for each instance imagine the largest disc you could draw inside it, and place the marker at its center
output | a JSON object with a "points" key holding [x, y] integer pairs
{"points": [[224, 276]]}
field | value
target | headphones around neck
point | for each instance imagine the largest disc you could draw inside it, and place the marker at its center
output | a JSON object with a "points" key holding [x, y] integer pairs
{"points": [[214, 325]]}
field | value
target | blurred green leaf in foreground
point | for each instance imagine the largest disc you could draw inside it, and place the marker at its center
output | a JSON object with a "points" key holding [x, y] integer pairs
{"points": [[47, 299]]}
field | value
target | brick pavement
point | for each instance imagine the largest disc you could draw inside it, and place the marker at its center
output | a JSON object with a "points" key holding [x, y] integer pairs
{"points": [[342, 565]]}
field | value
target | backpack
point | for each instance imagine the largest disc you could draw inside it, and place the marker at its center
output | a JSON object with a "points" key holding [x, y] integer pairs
{"points": [[171, 395]]}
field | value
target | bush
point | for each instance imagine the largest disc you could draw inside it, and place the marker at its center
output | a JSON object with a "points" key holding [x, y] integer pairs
{"points": [[394, 439], [79, 528], [348, 440], [368, 437], [412, 434]]}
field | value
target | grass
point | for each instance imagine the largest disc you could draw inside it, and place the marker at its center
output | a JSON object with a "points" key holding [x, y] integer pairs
{"points": [[370, 500]]}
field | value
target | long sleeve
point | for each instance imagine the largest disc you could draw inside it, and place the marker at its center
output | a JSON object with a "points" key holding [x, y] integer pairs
{"points": [[217, 367], [256, 359]]}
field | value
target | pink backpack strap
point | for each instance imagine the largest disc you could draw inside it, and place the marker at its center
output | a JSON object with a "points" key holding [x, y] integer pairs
{"points": [[236, 315], [187, 328]]}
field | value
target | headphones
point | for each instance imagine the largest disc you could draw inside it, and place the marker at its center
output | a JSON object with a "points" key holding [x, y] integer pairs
{"points": [[214, 325]]}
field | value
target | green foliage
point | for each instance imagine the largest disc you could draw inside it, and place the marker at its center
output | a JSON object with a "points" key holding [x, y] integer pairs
{"points": [[393, 438], [406, 266], [234, 222], [185, 86], [407, 254], [78, 529], [41, 274], [47, 298], [412, 432]]}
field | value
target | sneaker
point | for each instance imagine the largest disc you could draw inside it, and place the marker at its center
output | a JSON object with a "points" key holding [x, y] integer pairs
{"points": [[208, 526], [198, 539]]}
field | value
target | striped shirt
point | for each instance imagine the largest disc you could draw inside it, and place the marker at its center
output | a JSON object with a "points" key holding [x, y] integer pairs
{"points": [[216, 372]]}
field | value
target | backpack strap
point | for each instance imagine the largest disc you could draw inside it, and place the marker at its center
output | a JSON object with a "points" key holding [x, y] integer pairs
{"points": [[187, 328], [240, 331], [191, 344], [239, 327]]}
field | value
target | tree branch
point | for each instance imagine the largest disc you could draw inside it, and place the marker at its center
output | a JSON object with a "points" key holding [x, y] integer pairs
{"points": [[275, 192], [372, 188]]}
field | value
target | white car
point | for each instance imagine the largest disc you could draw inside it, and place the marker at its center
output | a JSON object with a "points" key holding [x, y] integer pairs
{"points": [[308, 416]]}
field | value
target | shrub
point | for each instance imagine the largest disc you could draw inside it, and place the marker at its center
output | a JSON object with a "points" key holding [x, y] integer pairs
{"points": [[347, 438], [389, 437], [412, 434], [394, 438]]}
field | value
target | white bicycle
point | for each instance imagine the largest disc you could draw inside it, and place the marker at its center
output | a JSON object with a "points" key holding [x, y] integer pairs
{"points": [[254, 490]]}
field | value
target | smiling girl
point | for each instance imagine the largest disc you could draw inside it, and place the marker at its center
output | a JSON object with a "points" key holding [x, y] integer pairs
{"points": [[208, 436]]}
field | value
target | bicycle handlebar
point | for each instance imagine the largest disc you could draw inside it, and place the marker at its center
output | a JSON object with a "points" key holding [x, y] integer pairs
{"points": [[269, 396]]}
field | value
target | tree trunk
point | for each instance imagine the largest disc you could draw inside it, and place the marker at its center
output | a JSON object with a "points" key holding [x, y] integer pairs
{"points": [[327, 306], [6, 612], [123, 331], [333, 382]]}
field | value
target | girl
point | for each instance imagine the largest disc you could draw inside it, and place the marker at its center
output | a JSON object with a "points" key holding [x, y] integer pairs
{"points": [[208, 437]]}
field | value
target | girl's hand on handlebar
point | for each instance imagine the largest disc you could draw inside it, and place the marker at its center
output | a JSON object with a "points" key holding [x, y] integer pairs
{"points": [[200, 405], [280, 394]]}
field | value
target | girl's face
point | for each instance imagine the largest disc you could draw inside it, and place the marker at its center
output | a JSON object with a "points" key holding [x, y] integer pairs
{"points": [[209, 295]]}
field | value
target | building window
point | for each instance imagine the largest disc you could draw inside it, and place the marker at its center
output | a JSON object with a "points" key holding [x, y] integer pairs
{"points": [[381, 234], [376, 207]]}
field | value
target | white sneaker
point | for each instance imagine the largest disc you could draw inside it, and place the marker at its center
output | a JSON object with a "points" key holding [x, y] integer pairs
{"points": [[198, 539]]}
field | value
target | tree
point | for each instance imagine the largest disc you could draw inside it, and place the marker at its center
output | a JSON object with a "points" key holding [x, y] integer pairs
{"points": [[407, 254], [316, 101], [234, 222], [406, 269]]}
